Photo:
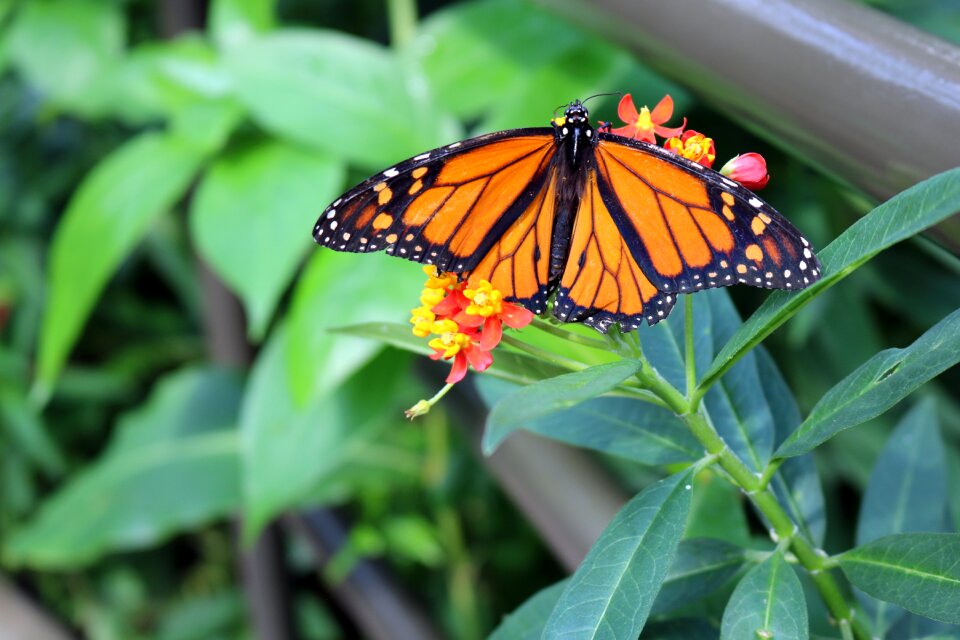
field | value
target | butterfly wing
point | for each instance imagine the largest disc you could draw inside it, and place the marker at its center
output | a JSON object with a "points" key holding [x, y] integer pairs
{"points": [[518, 262], [690, 228], [602, 283], [450, 207]]}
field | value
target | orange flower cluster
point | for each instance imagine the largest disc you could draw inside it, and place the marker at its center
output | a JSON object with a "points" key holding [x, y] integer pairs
{"points": [[749, 169], [467, 320]]}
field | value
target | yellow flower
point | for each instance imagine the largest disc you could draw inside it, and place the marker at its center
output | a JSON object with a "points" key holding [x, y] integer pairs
{"points": [[432, 297], [450, 340], [485, 301], [422, 321], [437, 281]]}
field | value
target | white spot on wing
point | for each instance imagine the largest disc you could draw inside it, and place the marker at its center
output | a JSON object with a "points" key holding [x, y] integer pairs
{"points": [[391, 173], [755, 202]]}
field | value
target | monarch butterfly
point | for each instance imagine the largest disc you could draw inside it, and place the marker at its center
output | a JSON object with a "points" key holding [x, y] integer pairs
{"points": [[616, 228]]}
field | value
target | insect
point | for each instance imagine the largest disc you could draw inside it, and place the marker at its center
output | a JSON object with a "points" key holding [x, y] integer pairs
{"points": [[612, 229]]}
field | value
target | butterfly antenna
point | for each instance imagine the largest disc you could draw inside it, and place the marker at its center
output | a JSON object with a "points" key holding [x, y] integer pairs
{"points": [[563, 106], [600, 95]]}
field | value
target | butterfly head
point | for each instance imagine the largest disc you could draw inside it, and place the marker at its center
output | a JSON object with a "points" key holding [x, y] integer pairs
{"points": [[574, 116], [573, 129]]}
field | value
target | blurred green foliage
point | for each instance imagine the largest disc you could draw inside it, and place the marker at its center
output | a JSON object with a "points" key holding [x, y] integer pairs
{"points": [[134, 147]]}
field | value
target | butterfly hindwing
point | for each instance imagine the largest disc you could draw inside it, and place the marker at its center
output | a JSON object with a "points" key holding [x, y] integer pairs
{"points": [[602, 283], [446, 207], [691, 228], [518, 263]]}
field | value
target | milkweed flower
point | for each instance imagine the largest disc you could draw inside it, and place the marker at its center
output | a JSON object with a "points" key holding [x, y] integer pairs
{"points": [[749, 169], [466, 322], [488, 309], [693, 145], [645, 124]]}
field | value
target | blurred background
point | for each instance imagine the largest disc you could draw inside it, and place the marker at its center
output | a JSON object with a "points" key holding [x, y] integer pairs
{"points": [[186, 452]]}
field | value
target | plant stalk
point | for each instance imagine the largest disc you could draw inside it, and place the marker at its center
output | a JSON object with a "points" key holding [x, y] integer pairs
{"points": [[782, 529], [402, 18]]}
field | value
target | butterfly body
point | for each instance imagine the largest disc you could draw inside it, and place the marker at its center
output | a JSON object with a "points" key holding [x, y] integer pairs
{"points": [[613, 228]]}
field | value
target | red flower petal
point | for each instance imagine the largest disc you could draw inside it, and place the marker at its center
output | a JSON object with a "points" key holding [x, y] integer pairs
{"points": [[447, 307], [627, 111], [669, 132], [663, 111], [479, 359], [630, 131], [467, 321], [515, 316], [492, 332], [459, 369]]}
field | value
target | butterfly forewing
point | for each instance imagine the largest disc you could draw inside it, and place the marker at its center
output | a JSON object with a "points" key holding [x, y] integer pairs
{"points": [[691, 228], [446, 207]]}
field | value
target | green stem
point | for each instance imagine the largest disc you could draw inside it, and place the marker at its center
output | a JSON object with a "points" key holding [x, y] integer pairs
{"points": [[402, 17], [548, 327], [782, 528], [845, 631], [543, 354], [691, 357], [771, 469]]}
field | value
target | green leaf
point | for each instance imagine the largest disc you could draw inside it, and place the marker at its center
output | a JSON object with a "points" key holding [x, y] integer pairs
{"points": [[680, 629], [528, 620], [549, 396], [701, 566], [290, 450], [908, 213], [336, 92], [160, 79], [22, 428], [953, 469], [613, 589], [917, 571], [878, 384], [914, 627], [207, 124], [797, 483], [202, 616], [252, 238], [717, 511], [908, 487], [232, 22], [67, 49], [624, 427], [338, 289], [111, 211], [513, 84], [171, 465], [740, 415], [767, 603]]}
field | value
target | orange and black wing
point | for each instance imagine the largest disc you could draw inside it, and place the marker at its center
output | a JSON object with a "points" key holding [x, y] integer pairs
{"points": [[691, 228], [602, 282], [456, 207]]}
